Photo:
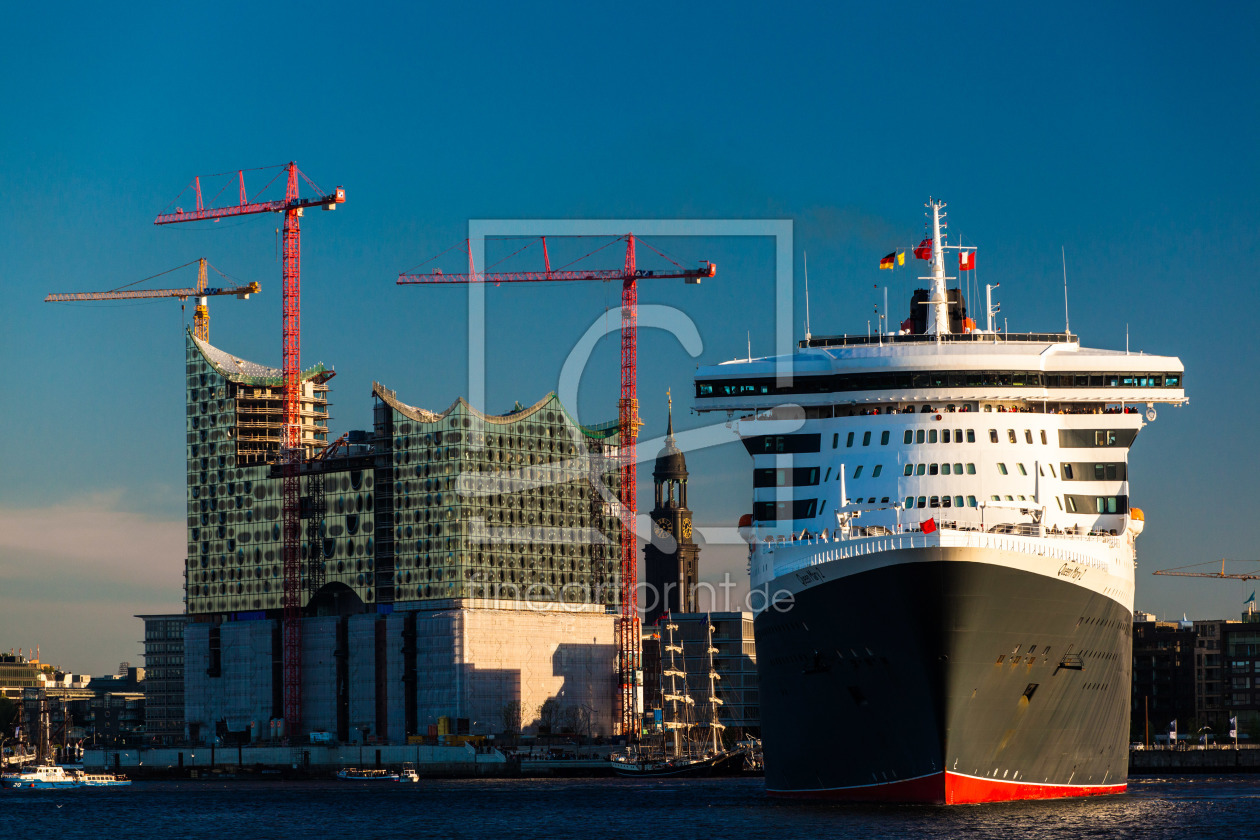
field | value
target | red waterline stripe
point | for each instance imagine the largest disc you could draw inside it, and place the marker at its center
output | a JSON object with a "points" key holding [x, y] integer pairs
{"points": [[952, 789]]}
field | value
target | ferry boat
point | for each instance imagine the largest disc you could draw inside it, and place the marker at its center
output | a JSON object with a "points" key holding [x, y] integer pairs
{"points": [[367, 774], [943, 545]]}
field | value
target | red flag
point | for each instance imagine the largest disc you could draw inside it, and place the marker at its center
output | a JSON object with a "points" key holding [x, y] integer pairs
{"points": [[924, 251], [929, 526], [966, 260]]}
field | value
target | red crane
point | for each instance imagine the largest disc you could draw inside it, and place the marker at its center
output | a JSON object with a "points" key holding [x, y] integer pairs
{"points": [[628, 417], [292, 206]]}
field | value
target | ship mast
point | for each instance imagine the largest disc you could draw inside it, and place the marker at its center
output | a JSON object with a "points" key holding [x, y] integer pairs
{"points": [[938, 322], [715, 726], [672, 724]]}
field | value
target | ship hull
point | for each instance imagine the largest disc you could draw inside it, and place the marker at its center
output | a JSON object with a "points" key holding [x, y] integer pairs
{"points": [[945, 676]]}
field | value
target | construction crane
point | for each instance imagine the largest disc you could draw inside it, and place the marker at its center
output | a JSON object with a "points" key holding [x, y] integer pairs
{"points": [[1221, 575], [292, 206], [628, 420], [201, 315]]}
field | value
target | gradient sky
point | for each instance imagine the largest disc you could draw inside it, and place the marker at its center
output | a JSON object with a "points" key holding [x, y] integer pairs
{"points": [[1127, 137]]}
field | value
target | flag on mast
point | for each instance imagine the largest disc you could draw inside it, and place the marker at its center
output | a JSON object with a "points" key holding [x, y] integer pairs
{"points": [[901, 258], [888, 261], [924, 250], [966, 260]]}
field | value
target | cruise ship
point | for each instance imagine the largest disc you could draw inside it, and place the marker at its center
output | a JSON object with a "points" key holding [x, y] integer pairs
{"points": [[943, 543]]}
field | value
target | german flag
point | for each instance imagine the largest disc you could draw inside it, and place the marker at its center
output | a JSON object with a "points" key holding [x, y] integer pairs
{"points": [[888, 261]]}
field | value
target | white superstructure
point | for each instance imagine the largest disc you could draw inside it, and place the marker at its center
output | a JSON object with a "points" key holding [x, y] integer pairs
{"points": [[943, 436]]}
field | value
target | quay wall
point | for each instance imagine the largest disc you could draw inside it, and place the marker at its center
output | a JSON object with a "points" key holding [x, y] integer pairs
{"points": [[1195, 760]]}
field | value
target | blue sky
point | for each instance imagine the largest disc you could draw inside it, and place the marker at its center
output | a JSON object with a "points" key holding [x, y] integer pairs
{"points": [[1125, 136]]}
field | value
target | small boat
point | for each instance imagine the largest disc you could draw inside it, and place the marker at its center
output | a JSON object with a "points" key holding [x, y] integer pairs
{"points": [[366, 774], [408, 773], [102, 779], [40, 777]]}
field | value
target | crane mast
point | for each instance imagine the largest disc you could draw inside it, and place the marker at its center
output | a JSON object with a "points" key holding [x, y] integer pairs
{"points": [[629, 643], [292, 206]]}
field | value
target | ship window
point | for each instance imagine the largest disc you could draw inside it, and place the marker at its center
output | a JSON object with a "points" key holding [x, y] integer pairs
{"points": [[1001, 656], [923, 501], [879, 468], [1010, 434], [1043, 437], [932, 436], [1067, 472], [909, 502], [866, 438], [908, 437], [1001, 468], [1008, 498], [857, 472], [958, 501], [871, 500], [945, 501], [1023, 498], [933, 469], [920, 469], [1032, 649], [958, 469], [849, 440], [971, 469], [971, 501], [1022, 471], [909, 469], [1028, 692], [944, 435], [883, 438], [993, 438], [995, 498], [971, 436], [884, 501], [1027, 435], [935, 502], [919, 436], [835, 440]]}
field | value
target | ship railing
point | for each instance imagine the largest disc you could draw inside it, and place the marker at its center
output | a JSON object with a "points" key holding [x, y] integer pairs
{"points": [[802, 550]]}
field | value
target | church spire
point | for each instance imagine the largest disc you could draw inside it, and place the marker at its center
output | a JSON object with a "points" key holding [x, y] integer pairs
{"points": [[669, 434]]}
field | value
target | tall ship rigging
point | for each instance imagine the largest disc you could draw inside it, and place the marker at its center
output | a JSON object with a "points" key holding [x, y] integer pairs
{"points": [[944, 548]]}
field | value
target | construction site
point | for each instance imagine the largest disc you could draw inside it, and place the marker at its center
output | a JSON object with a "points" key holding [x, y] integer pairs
{"points": [[428, 578]]}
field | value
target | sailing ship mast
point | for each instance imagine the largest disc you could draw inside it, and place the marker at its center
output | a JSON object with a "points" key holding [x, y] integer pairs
{"points": [[677, 729], [715, 726]]}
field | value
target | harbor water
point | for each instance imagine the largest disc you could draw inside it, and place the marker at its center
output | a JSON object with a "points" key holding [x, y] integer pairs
{"points": [[1168, 807]]}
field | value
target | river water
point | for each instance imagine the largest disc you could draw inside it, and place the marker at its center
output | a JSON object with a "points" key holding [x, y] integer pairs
{"points": [[1174, 807]]}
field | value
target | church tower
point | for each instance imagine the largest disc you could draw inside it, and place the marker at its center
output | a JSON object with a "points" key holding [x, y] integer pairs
{"points": [[671, 558]]}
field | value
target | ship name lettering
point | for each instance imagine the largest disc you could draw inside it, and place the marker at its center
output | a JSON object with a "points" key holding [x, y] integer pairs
{"points": [[809, 576], [1067, 570]]}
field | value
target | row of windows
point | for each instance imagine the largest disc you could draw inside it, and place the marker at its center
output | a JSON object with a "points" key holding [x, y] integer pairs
{"points": [[941, 501], [1068, 438], [826, 384], [938, 469]]}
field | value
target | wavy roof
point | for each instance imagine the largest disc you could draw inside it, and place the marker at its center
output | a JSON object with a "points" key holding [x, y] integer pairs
{"points": [[601, 431], [251, 373]]}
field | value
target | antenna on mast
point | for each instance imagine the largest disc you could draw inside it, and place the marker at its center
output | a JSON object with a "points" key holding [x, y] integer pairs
{"points": [[1067, 325], [805, 256]]}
